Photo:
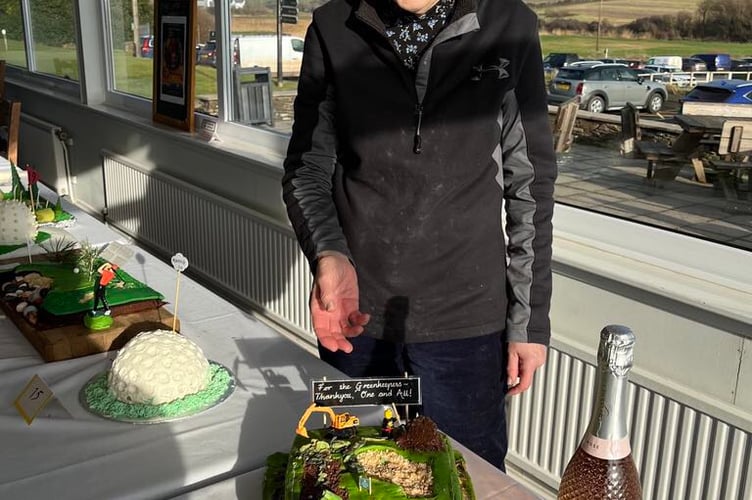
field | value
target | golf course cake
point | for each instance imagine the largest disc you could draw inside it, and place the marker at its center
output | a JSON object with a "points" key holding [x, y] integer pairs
{"points": [[50, 298], [44, 212], [349, 461], [416, 461], [157, 376]]}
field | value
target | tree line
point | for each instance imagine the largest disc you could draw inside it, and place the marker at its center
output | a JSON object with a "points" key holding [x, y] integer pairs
{"points": [[720, 20]]}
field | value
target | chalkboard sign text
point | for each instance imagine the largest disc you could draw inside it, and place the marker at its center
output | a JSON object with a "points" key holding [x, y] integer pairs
{"points": [[366, 391]]}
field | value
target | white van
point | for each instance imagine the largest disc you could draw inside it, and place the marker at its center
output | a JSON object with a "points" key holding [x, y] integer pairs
{"points": [[666, 61], [261, 50]]}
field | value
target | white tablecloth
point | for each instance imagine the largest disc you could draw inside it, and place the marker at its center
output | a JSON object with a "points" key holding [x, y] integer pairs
{"points": [[70, 453]]}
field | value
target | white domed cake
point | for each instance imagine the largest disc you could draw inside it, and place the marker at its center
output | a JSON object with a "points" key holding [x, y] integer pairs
{"points": [[18, 224], [158, 367]]}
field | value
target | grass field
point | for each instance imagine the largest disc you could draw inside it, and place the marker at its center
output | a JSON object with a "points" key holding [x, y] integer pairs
{"points": [[134, 75], [635, 48], [616, 12]]}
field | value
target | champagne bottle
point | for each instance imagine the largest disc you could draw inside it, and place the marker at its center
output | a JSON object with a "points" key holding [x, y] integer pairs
{"points": [[602, 467]]}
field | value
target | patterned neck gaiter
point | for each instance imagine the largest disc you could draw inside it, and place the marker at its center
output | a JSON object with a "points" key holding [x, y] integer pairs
{"points": [[409, 34]]}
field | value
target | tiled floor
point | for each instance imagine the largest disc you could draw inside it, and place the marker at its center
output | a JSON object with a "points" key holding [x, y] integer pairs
{"points": [[599, 179]]}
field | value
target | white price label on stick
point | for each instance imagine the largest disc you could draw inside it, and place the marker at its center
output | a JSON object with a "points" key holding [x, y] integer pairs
{"points": [[33, 398]]}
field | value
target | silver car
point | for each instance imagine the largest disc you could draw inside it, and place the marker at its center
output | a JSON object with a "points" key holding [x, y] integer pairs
{"points": [[604, 87]]}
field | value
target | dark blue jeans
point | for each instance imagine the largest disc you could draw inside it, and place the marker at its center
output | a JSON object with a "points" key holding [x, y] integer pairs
{"points": [[463, 383]]}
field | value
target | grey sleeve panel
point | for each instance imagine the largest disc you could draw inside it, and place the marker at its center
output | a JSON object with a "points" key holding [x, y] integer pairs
{"points": [[518, 175], [312, 158], [529, 173]]}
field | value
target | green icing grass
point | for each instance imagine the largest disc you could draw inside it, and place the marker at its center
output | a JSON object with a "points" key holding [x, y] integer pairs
{"points": [[70, 289], [41, 237], [102, 402]]}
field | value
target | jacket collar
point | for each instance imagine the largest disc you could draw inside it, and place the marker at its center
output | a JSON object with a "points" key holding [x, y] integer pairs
{"points": [[366, 11]]}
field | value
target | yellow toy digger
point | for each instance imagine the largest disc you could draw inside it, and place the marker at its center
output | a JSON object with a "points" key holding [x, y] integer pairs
{"points": [[342, 424]]}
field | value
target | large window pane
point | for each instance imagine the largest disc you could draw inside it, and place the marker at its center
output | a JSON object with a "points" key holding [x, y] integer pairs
{"points": [[206, 59], [12, 45], [254, 42], [132, 38], [54, 37]]}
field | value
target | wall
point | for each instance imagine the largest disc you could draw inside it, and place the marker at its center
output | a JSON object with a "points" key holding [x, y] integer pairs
{"points": [[227, 173]]}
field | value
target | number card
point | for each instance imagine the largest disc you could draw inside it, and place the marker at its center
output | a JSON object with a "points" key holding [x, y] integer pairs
{"points": [[33, 398]]}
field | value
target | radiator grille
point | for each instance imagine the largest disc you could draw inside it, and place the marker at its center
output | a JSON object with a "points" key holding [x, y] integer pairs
{"points": [[255, 259], [681, 453]]}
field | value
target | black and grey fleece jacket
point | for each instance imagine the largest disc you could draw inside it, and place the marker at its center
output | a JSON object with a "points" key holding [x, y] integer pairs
{"points": [[407, 174]]}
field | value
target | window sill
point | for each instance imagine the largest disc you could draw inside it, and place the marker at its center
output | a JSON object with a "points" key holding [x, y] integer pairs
{"points": [[698, 273]]}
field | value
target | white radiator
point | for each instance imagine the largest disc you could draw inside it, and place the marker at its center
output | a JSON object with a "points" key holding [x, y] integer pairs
{"points": [[681, 453], [41, 145], [244, 253]]}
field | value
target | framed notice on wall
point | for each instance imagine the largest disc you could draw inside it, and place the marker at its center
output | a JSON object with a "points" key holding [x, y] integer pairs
{"points": [[174, 56]]}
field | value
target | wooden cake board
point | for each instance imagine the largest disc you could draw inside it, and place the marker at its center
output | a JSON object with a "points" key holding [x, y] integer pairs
{"points": [[74, 341]]}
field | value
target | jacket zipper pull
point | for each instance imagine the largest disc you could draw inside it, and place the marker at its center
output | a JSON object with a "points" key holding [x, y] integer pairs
{"points": [[417, 140]]}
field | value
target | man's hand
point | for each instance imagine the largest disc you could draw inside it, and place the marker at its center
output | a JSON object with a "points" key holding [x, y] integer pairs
{"points": [[523, 360], [335, 303]]}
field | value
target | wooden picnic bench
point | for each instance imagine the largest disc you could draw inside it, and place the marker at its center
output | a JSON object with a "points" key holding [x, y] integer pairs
{"points": [[700, 134], [563, 129], [734, 148], [665, 161]]}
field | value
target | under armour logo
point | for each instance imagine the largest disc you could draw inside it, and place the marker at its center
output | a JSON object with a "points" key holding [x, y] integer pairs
{"points": [[499, 70]]}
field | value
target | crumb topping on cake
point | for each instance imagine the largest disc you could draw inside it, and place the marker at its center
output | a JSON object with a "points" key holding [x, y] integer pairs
{"points": [[416, 479]]}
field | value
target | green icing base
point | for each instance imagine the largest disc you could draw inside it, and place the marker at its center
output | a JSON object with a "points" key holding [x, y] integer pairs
{"points": [[102, 402], [93, 322]]}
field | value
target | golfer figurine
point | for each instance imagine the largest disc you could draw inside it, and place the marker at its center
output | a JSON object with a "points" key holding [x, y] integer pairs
{"points": [[100, 317]]}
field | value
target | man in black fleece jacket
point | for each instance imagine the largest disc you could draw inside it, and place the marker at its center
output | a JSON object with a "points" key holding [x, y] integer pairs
{"points": [[418, 123]]}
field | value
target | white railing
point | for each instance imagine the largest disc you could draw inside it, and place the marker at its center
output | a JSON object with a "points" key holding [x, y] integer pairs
{"points": [[692, 78]]}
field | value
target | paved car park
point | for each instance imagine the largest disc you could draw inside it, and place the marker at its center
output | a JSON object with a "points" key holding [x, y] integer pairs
{"points": [[601, 180]]}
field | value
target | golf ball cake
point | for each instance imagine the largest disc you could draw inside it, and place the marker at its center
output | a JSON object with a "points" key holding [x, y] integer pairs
{"points": [[158, 367], [18, 224]]}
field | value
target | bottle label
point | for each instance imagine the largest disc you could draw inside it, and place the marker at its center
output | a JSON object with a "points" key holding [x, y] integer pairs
{"points": [[606, 449]]}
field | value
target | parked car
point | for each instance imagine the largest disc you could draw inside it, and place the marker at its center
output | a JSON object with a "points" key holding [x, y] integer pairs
{"points": [[556, 60], [585, 63], [207, 54], [605, 87], [630, 63], [743, 64], [726, 91], [147, 46], [693, 64], [716, 62], [665, 61], [669, 74]]}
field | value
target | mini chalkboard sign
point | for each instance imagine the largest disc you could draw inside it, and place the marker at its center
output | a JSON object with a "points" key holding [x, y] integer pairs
{"points": [[366, 391]]}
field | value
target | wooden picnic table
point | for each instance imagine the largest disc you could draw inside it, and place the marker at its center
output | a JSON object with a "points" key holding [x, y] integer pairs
{"points": [[704, 133], [708, 125]]}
